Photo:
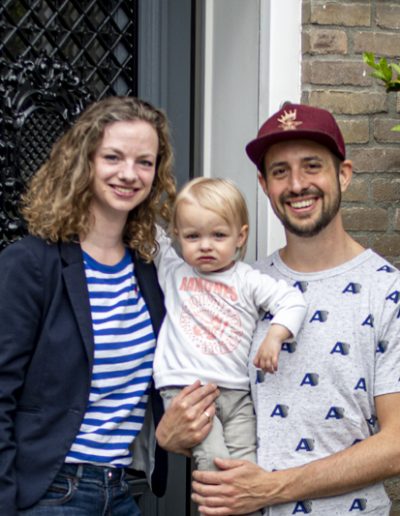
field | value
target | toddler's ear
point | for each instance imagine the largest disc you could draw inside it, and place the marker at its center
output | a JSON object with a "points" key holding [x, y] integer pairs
{"points": [[175, 241], [243, 233]]}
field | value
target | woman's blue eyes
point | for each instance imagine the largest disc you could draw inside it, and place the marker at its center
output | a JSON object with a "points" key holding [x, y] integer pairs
{"points": [[110, 157], [146, 163], [115, 158]]}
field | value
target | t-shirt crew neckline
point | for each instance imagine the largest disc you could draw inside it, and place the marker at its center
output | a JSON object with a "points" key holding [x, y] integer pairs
{"points": [[326, 273]]}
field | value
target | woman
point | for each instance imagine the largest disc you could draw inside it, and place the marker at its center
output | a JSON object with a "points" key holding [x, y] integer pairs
{"points": [[80, 309]]}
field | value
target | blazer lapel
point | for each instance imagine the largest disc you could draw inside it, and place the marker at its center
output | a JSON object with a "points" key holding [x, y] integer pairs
{"points": [[146, 277], [75, 281]]}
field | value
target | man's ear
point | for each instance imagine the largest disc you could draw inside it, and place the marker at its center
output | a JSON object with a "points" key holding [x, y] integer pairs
{"points": [[262, 182], [345, 174]]}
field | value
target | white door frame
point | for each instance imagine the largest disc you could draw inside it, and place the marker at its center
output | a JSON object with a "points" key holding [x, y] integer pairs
{"points": [[252, 64]]}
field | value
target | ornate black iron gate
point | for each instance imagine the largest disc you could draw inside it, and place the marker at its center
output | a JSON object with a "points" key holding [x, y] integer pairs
{"points": [[55, 56]]}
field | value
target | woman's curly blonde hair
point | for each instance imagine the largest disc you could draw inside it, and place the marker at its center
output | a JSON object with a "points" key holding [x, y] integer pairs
{"points": [[56, 204]]}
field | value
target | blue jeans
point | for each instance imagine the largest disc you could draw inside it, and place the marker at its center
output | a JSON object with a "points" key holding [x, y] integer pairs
{"points": [[86, 490]]}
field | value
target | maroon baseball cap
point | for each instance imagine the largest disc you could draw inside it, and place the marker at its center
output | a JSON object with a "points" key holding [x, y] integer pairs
{"points": [[295, 122]]}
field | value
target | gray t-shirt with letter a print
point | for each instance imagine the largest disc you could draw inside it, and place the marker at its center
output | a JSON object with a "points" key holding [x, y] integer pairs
{"points": [[321, 400]]}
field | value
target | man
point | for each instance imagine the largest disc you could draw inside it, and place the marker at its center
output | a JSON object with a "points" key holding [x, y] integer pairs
{"points": [[329, 420]]}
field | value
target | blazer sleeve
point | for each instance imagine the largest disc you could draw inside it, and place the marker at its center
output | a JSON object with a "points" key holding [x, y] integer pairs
{"points": [[21, 302]]}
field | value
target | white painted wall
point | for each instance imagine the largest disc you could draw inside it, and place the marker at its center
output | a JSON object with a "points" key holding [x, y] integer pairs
{"points": [[252, 56]]}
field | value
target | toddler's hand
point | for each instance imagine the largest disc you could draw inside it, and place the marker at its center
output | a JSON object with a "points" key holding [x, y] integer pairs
{"points": [[267, 355], [267, 360]]}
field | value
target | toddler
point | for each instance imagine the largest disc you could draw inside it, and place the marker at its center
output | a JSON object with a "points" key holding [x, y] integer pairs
{"points": [[213, 302]]}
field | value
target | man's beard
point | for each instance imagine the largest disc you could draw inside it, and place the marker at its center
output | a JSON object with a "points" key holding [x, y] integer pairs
{"points": [[314, 227]]}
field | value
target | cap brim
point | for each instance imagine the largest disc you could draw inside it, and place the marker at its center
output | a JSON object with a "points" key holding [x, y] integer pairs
{"points": [[257, 148]]}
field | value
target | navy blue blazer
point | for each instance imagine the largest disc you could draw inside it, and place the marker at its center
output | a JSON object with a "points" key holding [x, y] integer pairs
{"points": [[46, 356]]}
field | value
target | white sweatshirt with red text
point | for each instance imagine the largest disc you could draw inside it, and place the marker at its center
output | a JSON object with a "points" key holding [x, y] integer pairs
{"points": [[211, 318]]}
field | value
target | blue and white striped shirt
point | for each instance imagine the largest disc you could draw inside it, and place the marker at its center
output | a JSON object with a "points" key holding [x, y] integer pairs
{"points": [[122, 369]]}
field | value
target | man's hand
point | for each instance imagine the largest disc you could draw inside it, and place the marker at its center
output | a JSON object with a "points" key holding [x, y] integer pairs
{"points": [[242, 486], [239, 488], [188, 418]]}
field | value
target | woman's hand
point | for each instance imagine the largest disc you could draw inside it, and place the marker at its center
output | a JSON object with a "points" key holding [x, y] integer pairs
{"points": [[188, 418]]}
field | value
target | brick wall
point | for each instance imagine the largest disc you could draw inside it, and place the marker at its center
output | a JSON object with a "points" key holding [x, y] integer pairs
{"points": [[335, 34]]}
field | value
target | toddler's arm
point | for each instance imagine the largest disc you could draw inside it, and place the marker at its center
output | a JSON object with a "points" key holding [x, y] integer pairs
{"points": [[268, 353]]}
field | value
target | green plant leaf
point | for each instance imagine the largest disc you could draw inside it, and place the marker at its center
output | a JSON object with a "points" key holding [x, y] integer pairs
{"points": [[385, 69], [396, 128], [396, 68], [369, 59], [378, 74]]}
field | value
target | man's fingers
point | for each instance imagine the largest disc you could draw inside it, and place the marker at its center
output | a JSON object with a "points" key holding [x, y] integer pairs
{"points": [[206, 477], [213, 510], [228, 463], [212, 505], [214, 482], [207, 489]]}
